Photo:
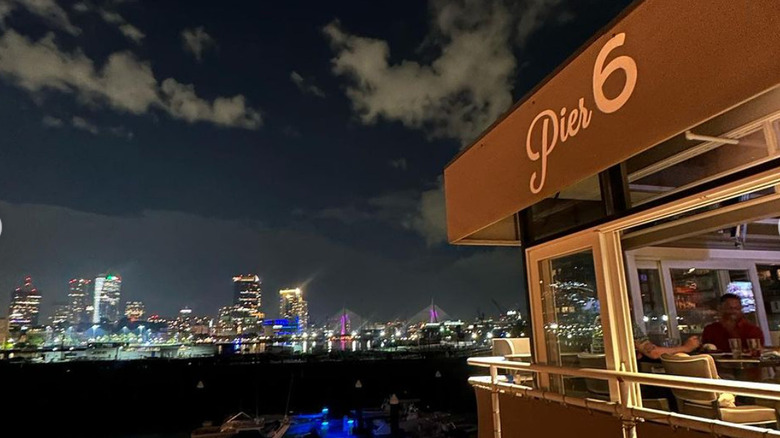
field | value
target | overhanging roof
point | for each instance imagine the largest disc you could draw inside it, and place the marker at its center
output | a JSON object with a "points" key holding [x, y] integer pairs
{"points": [[662, 68]]}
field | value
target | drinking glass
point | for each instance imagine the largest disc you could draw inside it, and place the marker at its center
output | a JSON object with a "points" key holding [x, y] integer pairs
{"points": [[735, 344], [754, 345]]}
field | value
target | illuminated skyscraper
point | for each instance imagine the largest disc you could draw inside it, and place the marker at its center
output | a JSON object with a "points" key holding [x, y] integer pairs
{"points": [[246, 292], [106, 300], [293, 306], [134, 311], [247, 300], [60, 316], [225, 324], [78, 300], [25, 306], [183, 323]]}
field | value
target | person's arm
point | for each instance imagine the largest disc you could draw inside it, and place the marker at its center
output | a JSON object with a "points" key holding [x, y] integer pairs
{"points": [[653, 351]]}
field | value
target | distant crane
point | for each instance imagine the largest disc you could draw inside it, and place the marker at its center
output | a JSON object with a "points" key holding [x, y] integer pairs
{"points": [[501, 309]]}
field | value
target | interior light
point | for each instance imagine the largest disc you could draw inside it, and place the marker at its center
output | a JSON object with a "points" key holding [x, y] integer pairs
{"points": [[691, 136]]}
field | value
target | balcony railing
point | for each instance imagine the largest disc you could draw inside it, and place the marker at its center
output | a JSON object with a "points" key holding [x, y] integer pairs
{"points": [[629, 414]]}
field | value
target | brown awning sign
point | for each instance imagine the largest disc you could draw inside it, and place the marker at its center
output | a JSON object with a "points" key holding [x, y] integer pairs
{"points": [[665, 67]]}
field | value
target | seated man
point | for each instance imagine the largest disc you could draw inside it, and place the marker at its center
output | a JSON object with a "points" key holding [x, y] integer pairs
{"points": [[732, 324], [646, 352]]}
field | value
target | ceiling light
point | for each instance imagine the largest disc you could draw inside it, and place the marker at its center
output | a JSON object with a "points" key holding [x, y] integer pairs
{"points": [[691, 136]]}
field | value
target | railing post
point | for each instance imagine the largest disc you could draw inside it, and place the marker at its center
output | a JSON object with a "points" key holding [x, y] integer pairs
{"points": [[494, 401], [626, 416]]}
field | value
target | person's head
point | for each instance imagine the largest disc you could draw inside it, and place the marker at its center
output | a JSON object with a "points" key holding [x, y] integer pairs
{"points": [[730, 307]]}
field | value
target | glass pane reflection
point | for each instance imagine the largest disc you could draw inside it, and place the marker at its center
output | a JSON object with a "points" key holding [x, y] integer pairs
{"points": [[571, 307]]}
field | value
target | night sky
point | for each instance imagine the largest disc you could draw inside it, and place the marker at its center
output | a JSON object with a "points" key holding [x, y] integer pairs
{"points": [[180, 143]]}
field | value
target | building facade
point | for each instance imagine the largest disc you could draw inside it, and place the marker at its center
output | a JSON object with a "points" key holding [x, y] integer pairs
{"points": [[247, 298], [106, 300], [202, 326], [293, 306], [79, 293], [247, 292], [25, 307]]}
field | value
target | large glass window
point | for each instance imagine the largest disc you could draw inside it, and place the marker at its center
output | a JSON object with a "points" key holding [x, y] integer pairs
{"points": [[742, 137], [572, 321], [769, 278], [571, 307], [655, 316], [697, 164], [574, 206], [679, 267]]}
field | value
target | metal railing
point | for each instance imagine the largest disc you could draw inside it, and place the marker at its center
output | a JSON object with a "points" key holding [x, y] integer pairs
{"points": [[628, 413]]}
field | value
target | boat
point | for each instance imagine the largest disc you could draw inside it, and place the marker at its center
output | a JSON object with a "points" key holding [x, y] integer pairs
{"points": [[245, 424]]}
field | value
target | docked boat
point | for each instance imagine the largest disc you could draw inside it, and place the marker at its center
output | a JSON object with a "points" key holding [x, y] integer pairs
{"points": [[245, 425]]}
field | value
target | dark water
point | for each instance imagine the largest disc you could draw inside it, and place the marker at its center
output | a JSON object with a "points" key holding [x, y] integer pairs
{"points": [[157, 398]]}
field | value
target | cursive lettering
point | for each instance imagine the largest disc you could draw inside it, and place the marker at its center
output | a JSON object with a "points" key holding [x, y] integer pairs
{"points": [[552, 131], [558, 127]]}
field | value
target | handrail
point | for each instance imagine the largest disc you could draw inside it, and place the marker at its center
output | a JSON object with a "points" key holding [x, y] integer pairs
{"points": [[485, 382], [750, 389], [673, 419]]}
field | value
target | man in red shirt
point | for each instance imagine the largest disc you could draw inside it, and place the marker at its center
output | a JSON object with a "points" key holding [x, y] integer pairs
{"points": [[732, 324]]}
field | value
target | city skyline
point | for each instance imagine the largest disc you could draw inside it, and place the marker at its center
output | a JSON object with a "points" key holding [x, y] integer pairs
{"points": [[80, 299]]}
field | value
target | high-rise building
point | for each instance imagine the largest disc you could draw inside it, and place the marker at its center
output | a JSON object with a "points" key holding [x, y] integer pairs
{"points": [[106, 299], [3, 332], [247, 299], [25, 306], [226, 326], [183, 322], [246, 292], [293, 306], [60, 316], [134, 311], [78, 301]]}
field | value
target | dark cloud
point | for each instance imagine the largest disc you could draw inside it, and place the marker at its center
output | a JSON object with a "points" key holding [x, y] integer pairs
{"points": [[128, 30], [52, 122], [48, 10], [457, 95], [420, 212], [305, 86], [196, 41], [399, 163], [84, 124], [125, 82]]}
